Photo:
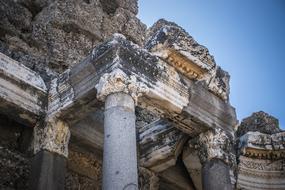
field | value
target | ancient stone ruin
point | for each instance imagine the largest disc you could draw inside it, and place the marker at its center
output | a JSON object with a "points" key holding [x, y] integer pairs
{"points": [[92, 99]]}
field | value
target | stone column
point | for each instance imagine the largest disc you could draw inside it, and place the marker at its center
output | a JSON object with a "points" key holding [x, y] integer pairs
{"points": [[120, 93], [120, 154], [215, 151], [51, 150]]}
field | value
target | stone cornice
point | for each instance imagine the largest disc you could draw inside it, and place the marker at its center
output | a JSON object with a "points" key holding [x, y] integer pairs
{"points": [[22, 92], [171, 43], [72, 95], [260, 145]]}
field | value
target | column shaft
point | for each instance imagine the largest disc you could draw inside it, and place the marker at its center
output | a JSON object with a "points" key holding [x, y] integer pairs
{"points": [[216, 175], [48, 171], [120, 155]]}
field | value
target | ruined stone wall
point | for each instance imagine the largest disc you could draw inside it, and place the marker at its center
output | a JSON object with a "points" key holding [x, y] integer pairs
{"points": [[50, 36], [15, 155]]}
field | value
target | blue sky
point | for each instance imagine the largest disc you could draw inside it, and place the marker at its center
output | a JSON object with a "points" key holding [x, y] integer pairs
{"points": [[246, 37]]}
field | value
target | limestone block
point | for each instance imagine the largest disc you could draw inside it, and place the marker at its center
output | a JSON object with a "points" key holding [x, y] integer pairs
{"points": [[160, 144]]}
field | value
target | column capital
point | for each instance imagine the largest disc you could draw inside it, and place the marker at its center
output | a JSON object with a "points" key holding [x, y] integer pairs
{"points": [[214, 143], [119, 81], [52, 136]]}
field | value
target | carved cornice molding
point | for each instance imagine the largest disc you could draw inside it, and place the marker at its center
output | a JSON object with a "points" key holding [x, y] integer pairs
{"points": [[119, 81], [53, 136], [214, 144], [260, 145]]}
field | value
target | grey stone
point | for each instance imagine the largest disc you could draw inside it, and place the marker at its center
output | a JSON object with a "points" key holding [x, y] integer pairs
{"points": [[48, 171], [216, 176], [259, 121], [120, 154]]}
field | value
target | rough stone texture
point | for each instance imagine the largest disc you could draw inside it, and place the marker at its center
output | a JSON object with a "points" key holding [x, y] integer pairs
{"points": [[214, 144], [48, 171], [15, 155], [50, 36], [52, 136], [262, 146], [261, 153], [174, 33], [174, 45], [216, 176], [260, 173], [259, 121], [84, 170], [148, 180]]}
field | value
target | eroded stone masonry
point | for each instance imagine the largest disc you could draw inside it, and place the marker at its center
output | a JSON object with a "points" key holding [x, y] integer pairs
{"points": [[92, 99]]}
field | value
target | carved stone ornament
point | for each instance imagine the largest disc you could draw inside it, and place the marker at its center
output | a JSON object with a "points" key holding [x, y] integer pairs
{"points": [[214, 144], [119, 81], [53, 136]]}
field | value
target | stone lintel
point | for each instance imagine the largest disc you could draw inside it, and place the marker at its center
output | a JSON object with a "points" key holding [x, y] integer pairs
{"points": [[22, 92], [165, 92], [52, 136], [263, 146], [160, 144]]}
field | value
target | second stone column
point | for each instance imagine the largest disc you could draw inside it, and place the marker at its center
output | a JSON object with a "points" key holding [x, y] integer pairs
{"points": [[120, 154]]}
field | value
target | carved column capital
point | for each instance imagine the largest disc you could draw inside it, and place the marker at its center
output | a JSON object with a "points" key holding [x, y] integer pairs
{"points": [[53, 136], [119, 81], [214, 144]]}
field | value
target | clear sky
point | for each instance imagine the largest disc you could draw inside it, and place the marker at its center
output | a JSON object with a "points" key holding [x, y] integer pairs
{"points": [[246, 37]]}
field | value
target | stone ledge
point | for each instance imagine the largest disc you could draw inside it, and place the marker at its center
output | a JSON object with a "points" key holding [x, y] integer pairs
{"points": [[260, 145]]}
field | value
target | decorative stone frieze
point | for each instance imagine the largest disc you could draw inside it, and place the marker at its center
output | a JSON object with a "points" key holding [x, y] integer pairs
{"points": [[214, 144], [118, 81], [256, 174], [263, 146], [53, 136]]}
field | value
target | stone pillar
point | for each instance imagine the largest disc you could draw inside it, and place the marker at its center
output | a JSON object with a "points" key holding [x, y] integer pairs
{"points": [[120, 93], [51, 150], [216, 175], [214, 149], [120, 154]]}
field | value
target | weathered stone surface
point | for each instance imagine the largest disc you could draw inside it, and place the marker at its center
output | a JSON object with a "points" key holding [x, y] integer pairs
{"points": [[173, 44], [84, 169], [22, 92], [52, 136], [15, 165], [259, 121], [175, 178], [261, 153], [263, 146], [165, 94], [50, 36], [216, 175], [148, 180], [160, 144], [48, 171], [256, 174], [214, 144]]}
